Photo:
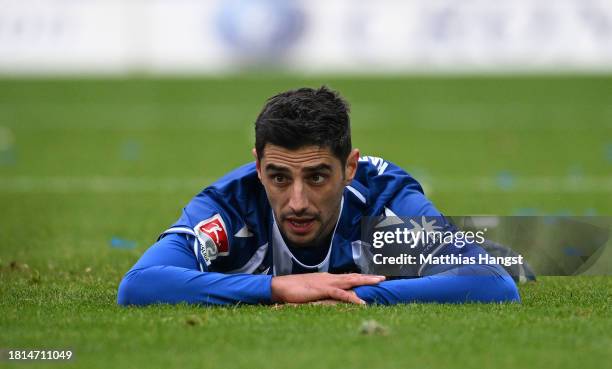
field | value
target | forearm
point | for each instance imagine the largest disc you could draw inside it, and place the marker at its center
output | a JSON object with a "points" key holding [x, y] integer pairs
{"points": [[168, 272], [171, 285], [443, 288]]}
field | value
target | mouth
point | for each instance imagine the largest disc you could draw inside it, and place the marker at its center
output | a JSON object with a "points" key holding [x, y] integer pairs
{"points": [[300, 226]]}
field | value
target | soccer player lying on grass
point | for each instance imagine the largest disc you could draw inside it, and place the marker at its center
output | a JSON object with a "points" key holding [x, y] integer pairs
{"points": [[284, 228]]}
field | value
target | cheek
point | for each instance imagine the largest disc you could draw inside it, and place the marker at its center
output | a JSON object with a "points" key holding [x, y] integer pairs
{"points": [[328, 200], [275, 196]]}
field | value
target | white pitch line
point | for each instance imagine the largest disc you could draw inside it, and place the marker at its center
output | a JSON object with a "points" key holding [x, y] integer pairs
{"points": [[479, 184]]}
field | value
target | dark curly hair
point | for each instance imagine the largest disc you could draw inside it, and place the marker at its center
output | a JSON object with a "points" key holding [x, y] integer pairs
{"points": [[305, 117]]}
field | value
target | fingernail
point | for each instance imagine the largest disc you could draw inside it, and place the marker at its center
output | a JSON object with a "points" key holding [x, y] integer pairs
{"points": [[362, 302]]}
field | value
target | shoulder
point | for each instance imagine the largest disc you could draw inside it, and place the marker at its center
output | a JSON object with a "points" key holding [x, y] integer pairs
{"points": [[384, 185], [236, 190], [372, 170], [228, 218], [379, 179]]}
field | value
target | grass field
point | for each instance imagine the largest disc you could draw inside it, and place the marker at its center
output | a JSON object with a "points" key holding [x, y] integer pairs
{"points": [[91, 171]]}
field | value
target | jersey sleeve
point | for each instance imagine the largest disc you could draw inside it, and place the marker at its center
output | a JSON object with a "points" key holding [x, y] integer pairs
{"points": [[168, 273], [209, 224], [404, 197], [468, 283], [411, 201], [393, 193]]}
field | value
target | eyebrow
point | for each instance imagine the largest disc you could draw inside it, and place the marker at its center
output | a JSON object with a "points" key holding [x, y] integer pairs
{"points": [[316, 168], [276, 168]]}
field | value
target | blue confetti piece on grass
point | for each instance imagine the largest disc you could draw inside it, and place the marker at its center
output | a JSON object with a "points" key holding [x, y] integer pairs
{"points": [[505, 180], [575, 172], [556, 216], [8, 157], [120, 243], [525, 211], [8, 152], [553, 219], [609, 152], [563, 213], [572, 251], [131, 150]]}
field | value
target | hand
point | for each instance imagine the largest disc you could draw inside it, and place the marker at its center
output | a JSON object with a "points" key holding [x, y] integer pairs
{"points": [[303, 288]]}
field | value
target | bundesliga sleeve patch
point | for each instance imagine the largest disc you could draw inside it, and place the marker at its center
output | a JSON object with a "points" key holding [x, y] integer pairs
{"points": [[213, 239]]}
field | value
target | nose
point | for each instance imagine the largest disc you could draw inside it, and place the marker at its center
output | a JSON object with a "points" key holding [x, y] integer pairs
{"points": [[298, 201]]}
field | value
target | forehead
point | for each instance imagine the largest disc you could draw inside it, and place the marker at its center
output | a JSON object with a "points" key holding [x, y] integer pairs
{"points": [[302, 158]]}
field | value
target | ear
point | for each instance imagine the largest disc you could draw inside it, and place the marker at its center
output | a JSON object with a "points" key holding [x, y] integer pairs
{"points": [[257, 163], [351, 166]]}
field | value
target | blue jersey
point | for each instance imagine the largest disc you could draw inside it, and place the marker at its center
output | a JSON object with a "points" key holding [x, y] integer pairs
{"points": [[226, 247], [234, 230]]}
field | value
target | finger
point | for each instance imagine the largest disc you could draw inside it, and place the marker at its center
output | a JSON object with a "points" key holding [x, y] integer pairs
{"points": [[353, 280], [346, 296], [325, 302]]}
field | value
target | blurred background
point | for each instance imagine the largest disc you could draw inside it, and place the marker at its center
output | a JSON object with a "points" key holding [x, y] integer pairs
{"points": [[216, 37], [113, 114]]}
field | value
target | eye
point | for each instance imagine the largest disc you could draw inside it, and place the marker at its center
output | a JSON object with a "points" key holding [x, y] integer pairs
{"points": [[279, 179], [317, 179]]}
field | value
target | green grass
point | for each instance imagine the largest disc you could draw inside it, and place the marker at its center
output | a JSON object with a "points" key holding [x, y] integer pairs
{"points": [[563, 322], [83, 162]]}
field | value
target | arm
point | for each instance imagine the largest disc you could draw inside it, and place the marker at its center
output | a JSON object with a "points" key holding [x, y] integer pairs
{"points": [[168, 273], [469, 283]]}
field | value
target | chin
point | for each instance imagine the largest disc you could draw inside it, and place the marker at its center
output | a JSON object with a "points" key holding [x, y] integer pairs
{"points": [[294, 240], [301, 241]]}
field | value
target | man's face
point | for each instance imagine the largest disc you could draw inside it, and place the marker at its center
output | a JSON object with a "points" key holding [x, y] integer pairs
{"points": [[304, 187]]}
